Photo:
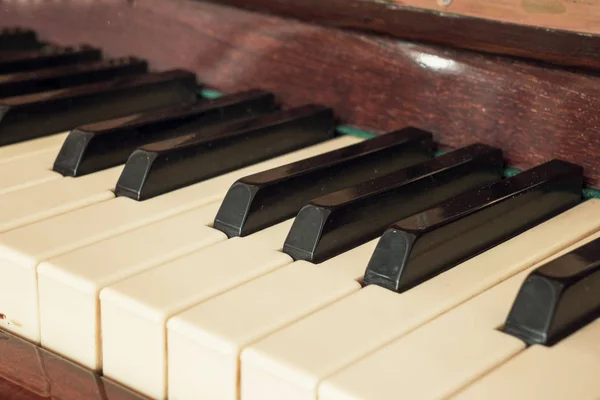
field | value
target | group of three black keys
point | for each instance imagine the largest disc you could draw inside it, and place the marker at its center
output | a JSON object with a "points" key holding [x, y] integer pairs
{"points": [[430, 212]]}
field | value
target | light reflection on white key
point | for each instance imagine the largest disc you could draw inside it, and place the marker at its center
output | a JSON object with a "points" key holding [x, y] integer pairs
{"points": [[16, 151], [27, 171], [22, 249], [205, 341], [292, 362], [567, 370], [55, 197], [69, 285], [134, 312]]}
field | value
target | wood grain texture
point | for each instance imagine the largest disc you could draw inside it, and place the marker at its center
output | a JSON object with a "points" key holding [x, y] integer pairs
{"points": [[30, 373], [504, 31], [534, 113]]}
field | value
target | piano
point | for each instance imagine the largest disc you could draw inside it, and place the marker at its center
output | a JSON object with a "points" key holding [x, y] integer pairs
{"points": [[272, 199]]}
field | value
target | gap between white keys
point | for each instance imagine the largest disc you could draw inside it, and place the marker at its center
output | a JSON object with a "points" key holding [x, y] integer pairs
{"points": [[134, 311], [292, 362], [205, 341], [69, 284], [22, 249], [567, 370], [54, 197], [27, 171], [16, 151]]}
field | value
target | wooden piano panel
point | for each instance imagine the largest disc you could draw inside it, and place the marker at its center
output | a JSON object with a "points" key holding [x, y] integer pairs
{"points": [[562, 32], [30, 373], [533, 113]]}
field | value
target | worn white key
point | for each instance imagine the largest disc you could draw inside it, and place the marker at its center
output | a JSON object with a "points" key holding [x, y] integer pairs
{"points": [[22, 249], [27, 171], [292, 362], [54, 197], [567, 370], [32, 147], [134, 312], [69, 285], [205, 341]]}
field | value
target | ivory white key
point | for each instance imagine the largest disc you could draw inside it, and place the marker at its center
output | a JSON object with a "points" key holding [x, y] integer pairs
{"points": [[205, 341], [444, 355], [32, 147], [69, 285], [566, 370], [134, 311], [27, 171], [22, 249], [55, 197], [292, 362]]}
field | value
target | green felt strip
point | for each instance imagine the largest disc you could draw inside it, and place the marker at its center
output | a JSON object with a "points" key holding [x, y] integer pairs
{"points": [[210, 94]]}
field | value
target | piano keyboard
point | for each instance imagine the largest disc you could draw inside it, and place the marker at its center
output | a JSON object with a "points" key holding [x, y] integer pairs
{"points": [[232, 248]]}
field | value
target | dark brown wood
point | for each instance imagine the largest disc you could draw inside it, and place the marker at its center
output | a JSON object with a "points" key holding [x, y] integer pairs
{"points": [[533, 113], [579, 48], [28, 372]]}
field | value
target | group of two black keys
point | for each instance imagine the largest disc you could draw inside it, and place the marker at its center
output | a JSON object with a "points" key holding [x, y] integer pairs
{"points": [[431, 213]]}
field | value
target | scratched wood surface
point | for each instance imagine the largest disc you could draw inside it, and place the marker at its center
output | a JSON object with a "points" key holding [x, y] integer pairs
{"points": [[533, 113], [561, 32]]}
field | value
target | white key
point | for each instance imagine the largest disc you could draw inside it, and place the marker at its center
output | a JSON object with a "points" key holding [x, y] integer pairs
{"points": [[22, 249], [55, 197], [442, 356], [32, 147], [134, 312], [205, 341], [69, 285], [27, 171], [567, 370], [291, 363]]}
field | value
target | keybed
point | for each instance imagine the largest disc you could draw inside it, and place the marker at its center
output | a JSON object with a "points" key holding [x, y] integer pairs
{"points": [[234, 248]]}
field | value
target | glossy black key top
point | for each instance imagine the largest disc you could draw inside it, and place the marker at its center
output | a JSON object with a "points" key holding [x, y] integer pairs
{"points": [[105, 144], [340, 221], [558, 298], [47, 79], [266, 198], [164, 166], [47, 57], [45, 113], [425, 244], [18, 39]]}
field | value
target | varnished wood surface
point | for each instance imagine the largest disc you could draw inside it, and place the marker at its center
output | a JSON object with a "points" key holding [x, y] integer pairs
{"points": [[533, 113], [522, 28], [582, 16], [30, 373]]}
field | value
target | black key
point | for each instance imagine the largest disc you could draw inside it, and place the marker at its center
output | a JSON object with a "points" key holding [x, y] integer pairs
{"points": [[34, 115], [266, 198], [47, 79], [558, 298], [160, 167], [18, 39], [423, 245], [94, 147], [47, 57], [340, 221]]}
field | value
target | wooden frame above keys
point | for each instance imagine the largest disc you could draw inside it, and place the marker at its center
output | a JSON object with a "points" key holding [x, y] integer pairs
{"points": [[533, 112]]}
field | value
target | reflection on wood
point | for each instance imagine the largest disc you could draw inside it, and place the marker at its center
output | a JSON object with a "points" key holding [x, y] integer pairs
{"points": [[28, 372], [523, 28]]}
